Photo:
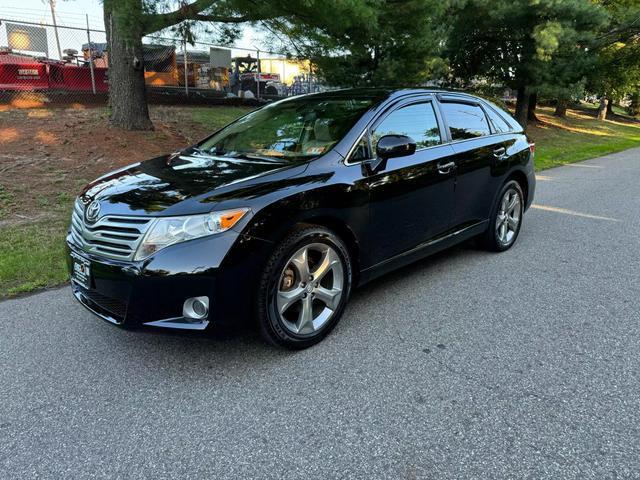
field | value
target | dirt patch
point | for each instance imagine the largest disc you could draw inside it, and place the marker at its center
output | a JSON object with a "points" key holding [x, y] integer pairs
{"points": [[47, 155]]}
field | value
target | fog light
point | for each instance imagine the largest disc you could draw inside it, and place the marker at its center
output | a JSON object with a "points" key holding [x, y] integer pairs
{"points": [[196, 308]]}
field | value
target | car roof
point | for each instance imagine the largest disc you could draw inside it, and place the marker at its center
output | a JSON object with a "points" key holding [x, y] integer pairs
{"points": [[389, 95], [382, 93]]}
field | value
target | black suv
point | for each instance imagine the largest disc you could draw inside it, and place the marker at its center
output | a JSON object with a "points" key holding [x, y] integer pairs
{"points": [[280, 214]]}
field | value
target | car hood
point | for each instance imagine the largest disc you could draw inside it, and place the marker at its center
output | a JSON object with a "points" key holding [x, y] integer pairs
{"points": [[182, 184]]}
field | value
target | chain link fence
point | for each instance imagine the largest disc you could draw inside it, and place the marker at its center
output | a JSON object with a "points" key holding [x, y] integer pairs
{"points": [[43, 63]]}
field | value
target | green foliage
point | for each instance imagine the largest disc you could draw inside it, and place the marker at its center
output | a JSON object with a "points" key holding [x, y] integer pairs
{"points": [[616, 70], [521, 43], [385, 42]]}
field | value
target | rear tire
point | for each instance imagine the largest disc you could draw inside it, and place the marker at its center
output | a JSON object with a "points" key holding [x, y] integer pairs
{"points": [[506, 219], [304, 288]]}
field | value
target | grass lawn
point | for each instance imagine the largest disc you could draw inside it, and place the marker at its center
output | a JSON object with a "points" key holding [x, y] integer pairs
{"points": [[215, 117], [32, 257], [579, 137], [31, 246]]}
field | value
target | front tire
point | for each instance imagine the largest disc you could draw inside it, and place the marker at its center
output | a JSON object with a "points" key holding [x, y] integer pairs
{"points": [[506, 218], [304, 288]]}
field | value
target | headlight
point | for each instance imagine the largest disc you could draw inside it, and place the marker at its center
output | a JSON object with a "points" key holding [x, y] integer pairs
{"points": [[170, 230]]}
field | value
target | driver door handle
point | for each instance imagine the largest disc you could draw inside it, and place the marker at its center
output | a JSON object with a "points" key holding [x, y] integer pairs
{"points": [[500, 152], [445, 168]]}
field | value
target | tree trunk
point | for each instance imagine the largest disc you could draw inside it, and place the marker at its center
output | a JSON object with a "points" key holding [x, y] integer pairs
{"points": [[522, 107], [531, 110], [602, 109], [561, 108], [634, 107], [610, 109], [127, 90]]}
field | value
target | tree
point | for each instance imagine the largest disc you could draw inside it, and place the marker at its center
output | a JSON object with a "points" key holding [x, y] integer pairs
{"points": [[396, 43], [617, 68], [514, 41], [128, 21], [563, 78], [634, 106]]}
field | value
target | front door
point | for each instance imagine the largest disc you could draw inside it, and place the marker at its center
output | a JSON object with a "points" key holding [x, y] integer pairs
{"points": [[412, 197]]}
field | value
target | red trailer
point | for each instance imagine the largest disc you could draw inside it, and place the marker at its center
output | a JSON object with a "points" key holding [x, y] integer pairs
{"points": [[19, 72], [23, 73], [76, 78]]}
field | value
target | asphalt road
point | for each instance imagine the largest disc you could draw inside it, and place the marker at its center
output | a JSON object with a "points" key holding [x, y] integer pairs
{"points": [[468, 365]]}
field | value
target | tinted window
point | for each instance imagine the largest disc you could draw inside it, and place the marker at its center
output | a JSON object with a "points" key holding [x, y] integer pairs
{"points": [[290, 130], [498, 122], [417, 121], [514, 126], [361, 151], [465, 121]]}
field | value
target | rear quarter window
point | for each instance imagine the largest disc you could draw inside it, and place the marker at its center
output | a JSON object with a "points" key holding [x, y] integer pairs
{"points": [[514, 126], [499, 123], [465, 120]]}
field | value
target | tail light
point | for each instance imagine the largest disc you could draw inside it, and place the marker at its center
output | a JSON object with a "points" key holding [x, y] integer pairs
{"points": [[532, 147]]}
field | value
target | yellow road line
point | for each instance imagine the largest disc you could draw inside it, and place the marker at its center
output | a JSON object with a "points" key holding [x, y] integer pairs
{"points": [[547, 208], [582, 165]]}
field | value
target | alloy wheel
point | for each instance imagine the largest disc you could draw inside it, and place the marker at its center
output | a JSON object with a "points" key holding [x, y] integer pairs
{"points": [[509, 215], [310, 288]]}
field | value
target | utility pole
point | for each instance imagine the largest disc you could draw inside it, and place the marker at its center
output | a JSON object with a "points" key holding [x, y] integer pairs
{"points": [[52, 4], [93, 75], [258, 74], [186, 69]]}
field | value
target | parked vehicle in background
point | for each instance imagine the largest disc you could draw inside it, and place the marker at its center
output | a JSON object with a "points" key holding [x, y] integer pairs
{"points": [[247, 76], [27, 73], [280, 214]]}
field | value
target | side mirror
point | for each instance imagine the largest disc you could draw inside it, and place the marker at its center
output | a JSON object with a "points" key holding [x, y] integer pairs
{"points": [[391, 146]]}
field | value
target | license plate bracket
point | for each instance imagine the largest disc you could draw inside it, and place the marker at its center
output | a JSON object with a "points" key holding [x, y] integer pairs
{"points": [[81, 273]]}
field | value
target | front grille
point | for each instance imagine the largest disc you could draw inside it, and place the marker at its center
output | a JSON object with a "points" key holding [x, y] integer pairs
{"points": [[111, 236], [109, 308], [111, 305]]}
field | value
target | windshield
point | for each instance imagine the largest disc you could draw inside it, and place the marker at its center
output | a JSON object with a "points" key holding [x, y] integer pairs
{"points": [[287, 131]]}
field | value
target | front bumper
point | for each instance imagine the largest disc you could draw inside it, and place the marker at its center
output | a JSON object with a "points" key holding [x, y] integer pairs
{"points": [[153, 291]]}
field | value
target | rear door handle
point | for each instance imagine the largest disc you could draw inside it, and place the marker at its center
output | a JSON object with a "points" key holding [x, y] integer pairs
{"points": [[500, 152], [445, 168]]}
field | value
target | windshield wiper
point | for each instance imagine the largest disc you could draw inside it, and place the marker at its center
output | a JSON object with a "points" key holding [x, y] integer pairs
{"points": [[231, 155], [250, 156], [200, 151]]}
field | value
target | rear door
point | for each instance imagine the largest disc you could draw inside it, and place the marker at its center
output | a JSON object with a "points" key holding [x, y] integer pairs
{"points": [[412, 197], [479, 153]]}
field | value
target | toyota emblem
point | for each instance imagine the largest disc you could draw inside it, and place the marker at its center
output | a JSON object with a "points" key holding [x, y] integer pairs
{"points": [[92, 212]]}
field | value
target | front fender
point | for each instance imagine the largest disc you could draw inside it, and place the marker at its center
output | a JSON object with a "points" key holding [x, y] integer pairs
{"points": [[336, 198]]}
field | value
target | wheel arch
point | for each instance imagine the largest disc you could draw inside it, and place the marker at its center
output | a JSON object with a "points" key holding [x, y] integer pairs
{"points": [[520, 177], [335, 207], [342, 230]]}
